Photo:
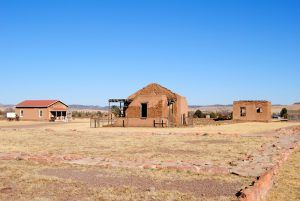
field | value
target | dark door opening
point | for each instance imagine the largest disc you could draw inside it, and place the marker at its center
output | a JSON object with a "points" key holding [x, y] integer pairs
{"points": [[144, 110]]}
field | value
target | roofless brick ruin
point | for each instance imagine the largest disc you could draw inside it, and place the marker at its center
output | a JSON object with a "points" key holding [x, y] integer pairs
{"points": [[252, 111], [152, 106]]}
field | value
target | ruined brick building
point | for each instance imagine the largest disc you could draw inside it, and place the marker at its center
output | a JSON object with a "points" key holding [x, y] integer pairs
{"points": [[252, 111], [152, 106]]}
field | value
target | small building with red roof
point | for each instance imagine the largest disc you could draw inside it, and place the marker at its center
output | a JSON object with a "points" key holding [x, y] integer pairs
{"points": [[42, 110]]}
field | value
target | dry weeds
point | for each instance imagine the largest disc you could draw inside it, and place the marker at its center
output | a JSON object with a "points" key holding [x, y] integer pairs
{"points": [[215, 145], [186, 144]]}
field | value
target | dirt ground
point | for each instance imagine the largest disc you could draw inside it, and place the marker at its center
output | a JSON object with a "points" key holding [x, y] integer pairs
{"points": [[70, 161]]}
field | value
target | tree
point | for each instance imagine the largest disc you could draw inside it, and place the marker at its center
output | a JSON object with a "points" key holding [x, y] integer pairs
{"points": [[198, 114], [116, 111], [213, 115], [230, 116], [284, 113], [99, 114]]}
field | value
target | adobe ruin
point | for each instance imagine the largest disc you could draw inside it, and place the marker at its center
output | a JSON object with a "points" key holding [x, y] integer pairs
{"points": [[152, 106], [252, 111]]}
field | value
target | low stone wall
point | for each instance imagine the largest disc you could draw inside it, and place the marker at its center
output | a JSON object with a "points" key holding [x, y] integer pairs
{"points": [[259, 188]]}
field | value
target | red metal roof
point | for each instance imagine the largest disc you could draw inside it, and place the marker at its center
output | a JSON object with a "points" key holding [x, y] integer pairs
{"points": [[37, 103]]}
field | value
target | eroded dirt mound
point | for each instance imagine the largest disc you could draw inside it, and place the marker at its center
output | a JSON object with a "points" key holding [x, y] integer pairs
{"points": [[199, 188]]}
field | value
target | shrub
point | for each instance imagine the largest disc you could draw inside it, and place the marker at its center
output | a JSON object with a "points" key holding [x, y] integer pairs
{"points": [[116, 111], [284, 113], [198, 114], [213, 115]]}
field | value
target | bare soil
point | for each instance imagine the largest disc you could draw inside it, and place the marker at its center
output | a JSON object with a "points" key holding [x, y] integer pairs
{"points": [[208, 141], [199, 188]]}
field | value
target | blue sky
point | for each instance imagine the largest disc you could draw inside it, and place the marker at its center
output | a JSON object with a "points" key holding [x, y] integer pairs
{"points": [[212, 52]]}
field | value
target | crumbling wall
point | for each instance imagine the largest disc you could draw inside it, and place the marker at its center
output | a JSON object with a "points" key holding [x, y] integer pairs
{"points": [[156, 97], [157, 110], [157, 106], [182, 110], [251, 111], [262, 185]]}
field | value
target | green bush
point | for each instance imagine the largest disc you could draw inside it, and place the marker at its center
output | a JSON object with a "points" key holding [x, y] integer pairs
{"points": [[213, 115], [198, 114], [116, 111], [284, 113]]}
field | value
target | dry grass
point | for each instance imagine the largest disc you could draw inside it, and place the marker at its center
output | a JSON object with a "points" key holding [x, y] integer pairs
{"points": [[137, 143], [237, 128], [287, 184], [247, 128], [20, 180], [181, 144], [18, 123]]}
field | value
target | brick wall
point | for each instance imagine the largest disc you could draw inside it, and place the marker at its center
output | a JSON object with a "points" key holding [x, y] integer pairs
{"points": [[251, 111]]}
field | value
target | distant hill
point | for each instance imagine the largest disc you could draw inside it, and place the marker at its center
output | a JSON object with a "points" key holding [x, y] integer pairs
{"points": [[6, 108], [216, 105], [3, 105], [211, 108], [86, 107]]}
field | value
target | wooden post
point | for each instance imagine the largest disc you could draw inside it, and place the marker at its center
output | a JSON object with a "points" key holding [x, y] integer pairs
{"points": [[154, 123], [169, 114], [108, 112], [162, 123], [120, 109]]}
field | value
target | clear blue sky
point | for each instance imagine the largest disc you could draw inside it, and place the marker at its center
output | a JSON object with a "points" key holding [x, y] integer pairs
{"points": [[209, 51]]}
